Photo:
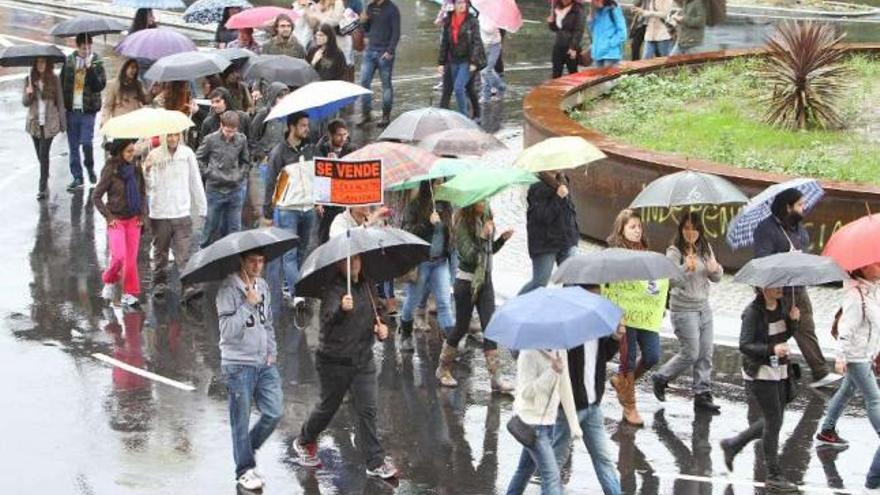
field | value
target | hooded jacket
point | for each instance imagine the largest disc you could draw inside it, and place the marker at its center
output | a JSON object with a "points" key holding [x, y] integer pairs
{"points": [[174, 183], [95, 80], [551, 221], [247, 334], [858, 340], [609, 33], [263, 135]]}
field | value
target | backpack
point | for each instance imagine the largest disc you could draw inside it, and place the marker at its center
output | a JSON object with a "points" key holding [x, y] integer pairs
{"points": [[716, 11]]}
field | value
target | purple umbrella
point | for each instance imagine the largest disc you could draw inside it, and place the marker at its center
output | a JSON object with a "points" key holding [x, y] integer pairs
{"points": [[153, 44]]}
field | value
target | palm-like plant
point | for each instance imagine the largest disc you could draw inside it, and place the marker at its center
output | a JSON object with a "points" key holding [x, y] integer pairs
{"points": [[804, 75]]}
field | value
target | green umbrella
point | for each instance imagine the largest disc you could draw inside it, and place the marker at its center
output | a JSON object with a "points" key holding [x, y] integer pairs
{"points": [[474, 186], [444, 167]]}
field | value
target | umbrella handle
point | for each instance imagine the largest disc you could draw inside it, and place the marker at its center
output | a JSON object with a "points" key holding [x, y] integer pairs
{"points": [[348, 256]]}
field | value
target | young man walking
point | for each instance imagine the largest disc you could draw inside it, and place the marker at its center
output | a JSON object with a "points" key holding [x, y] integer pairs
{"points": [[381, 22]]}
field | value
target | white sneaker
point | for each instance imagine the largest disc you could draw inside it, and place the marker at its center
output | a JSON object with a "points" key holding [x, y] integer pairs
{"points": [[385, 471], [108, 292], [250, 480], [826, 380], [297, 301], [129, 300]]}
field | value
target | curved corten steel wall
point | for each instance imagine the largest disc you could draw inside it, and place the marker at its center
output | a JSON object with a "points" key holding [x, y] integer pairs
{"points": [[610, 185]]}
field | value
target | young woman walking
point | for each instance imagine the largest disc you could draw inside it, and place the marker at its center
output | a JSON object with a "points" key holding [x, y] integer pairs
{"points": [[125, 94], [45, 119]]}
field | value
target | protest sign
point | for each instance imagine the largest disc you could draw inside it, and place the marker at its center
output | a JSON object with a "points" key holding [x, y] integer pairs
{"points": [[342, 182], [643, 302]]}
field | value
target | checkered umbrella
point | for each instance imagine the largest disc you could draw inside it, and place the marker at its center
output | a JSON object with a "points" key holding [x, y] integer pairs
{"points": [[211, 11], [399, 161], [741, 231]]}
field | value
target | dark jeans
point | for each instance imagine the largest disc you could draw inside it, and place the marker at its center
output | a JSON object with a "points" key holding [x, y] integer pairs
{"points": [[770, 396], [248, 385], [638, 39], [806, 335], [373, 60], [542, 267], [637, 339], [359, 380], [42, 145], [224, 215], [464, 309], [80, 132], [561, 60], [470, 89]]}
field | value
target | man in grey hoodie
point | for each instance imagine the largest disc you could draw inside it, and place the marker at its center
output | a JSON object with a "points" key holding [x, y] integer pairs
{"points": [[247, 360]]}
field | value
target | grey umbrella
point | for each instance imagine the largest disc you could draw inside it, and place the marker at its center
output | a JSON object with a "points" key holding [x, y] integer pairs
{"points": [[280, 68], [26, 55], [223, 257], [688, 188], [186, 66], [88, 24], [461, 142], [235, 54], [615, 265], [415, 125], [386, 253], [790, 269]]}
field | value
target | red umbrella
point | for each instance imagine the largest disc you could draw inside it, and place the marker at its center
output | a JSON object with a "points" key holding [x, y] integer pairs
{"points": [[503, 13], [855, 245], [399, 161], [257, 17]]}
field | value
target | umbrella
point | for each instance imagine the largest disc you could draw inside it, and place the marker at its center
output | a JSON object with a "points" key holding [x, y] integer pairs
{"points": [[461, 142], [88, 24], [235, 54], [558, 153], [856, 244], [741, 231], [257, 17], [688, 188], [186, 66], [150, 4], [291, 71], [477, 185], [503, 13], [211, 11], [416, 125], [26, 55], [614, 265], [444, 167], [553, 318], [399, 161], [222, 257], [146, 122], [319, 99], [153, 44], [790, 269], [386, 253]]}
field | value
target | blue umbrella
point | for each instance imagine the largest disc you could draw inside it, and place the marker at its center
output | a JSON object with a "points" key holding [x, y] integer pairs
{"points": [[553, 318], [150, 4], [741, 231], [211, 11]]}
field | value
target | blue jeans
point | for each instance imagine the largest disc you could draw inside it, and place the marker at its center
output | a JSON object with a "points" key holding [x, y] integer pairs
{"points": [[248, 385], [224, 214], [860, 377], [845, 392], [80, 132], [542, 267], [595, 440], [491, 79], [657, 48], [301, 223], [541, 456], [461, 74], [373, 60], [433, 275], [647, 341], [606, 62]]}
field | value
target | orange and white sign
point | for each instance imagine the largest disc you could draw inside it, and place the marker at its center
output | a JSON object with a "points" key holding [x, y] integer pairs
{"points": [[342, 182]]}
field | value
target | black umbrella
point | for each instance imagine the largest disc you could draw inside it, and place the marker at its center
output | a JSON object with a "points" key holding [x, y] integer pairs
{"points": [[87, 24], [223, 257], [615, 265], [26, 55], [790, 269], [186, 66], [280, 68], [386, 253]]}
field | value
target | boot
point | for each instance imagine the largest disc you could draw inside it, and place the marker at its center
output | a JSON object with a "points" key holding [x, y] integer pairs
{"points": [[630, 413], [703, 401], [493, 365], [733, 445], [386, 119], [660, 384], [406, 341], [444, 366], [778, 484]]}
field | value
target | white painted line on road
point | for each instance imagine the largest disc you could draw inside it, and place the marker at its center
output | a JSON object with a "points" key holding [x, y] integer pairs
{"points": [[724, 480], [146, 374]]}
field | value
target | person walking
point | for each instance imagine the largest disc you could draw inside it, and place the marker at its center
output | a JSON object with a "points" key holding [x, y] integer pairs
{"points": [[223, 35], [690, 312], [658, 39], [245, 40], [333, 13], [690, 27], [461, 51], [326, 57], [284, 42], [567, 21], [334, 144], [767, 324], [45, 118], [82, 80], [175, 191], [551, 224], [783, 232], [493, 84], [263, 136], [125, 93], [122, 182], [248, 354], [345, 365], [608, 28], [143, 19], [381, 23]]}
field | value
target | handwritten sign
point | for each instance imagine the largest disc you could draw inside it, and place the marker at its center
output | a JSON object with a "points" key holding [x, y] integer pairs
{"points": [[643, 302], [343, 182]]}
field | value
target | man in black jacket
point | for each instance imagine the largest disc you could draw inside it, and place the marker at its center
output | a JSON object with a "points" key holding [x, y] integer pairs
{"points": [[381, 23], [82, 80]]}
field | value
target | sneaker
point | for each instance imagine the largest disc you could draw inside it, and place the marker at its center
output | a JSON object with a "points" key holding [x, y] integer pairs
{"points": [[307, 453], [659, 387], [385, 471], [406, 344], [830, 437], [703, 402], [250, 480], [780, 485], [75, 184], [92, 177], [826, 380], [108, 292], [129, 300]]}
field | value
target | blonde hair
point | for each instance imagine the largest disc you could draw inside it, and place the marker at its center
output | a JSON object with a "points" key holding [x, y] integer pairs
{"points": [[617, 239]]}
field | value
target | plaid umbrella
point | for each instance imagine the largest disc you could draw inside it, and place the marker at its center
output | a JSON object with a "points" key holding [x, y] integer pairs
{"points": [[211, 11], [741, 231], [399, 161]]}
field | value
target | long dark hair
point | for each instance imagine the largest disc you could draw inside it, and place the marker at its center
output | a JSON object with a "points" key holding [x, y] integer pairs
{"points": [[141, 21], [132, 85], [227, 13], [331, 49], [701, 246], [48, 78]]}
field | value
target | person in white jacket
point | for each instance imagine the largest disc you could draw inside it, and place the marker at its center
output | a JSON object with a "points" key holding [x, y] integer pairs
{"points": [[176, 195], [542, 385]]}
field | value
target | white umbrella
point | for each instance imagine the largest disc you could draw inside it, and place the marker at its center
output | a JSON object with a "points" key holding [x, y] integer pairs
{"points": [[319, 99]]}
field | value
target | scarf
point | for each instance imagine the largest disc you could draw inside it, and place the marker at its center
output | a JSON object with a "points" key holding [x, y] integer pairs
{"points": [[132, 191], [483, 269], [81, 62], [457, 21]]}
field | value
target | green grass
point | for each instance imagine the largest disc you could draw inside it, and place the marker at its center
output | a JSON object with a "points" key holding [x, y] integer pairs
{"points": [[714, 113]]}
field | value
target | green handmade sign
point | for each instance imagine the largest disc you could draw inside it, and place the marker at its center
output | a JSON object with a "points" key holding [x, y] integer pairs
{"points": [[643, 302]]}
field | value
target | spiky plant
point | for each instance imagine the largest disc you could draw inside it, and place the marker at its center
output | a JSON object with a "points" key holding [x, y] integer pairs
{"points": [[804, 75]]}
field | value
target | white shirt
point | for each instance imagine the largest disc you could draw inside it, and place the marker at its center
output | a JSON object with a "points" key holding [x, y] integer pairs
{"points": [[489, 32], [561, 13], [342, 222], [591, 349], [174, 184], [540, 391]]}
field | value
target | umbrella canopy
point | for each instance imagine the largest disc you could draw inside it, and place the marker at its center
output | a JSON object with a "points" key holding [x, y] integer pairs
{"points": [[461, 142], [415, 125], [558, 153], [790, 269], [741, 231], [614, 265], [235, 54], [211, 11], [146, 122], [151, 4], [291, 71], [258, 17], [477, 185], [399, 161], [88, 24], [553, 318], [153, 44], [320, 99], [26, 55], [688, 188], [186, 66], [503, 13], [444, 167], [856, 244], [386, 253], [223, 257]]}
